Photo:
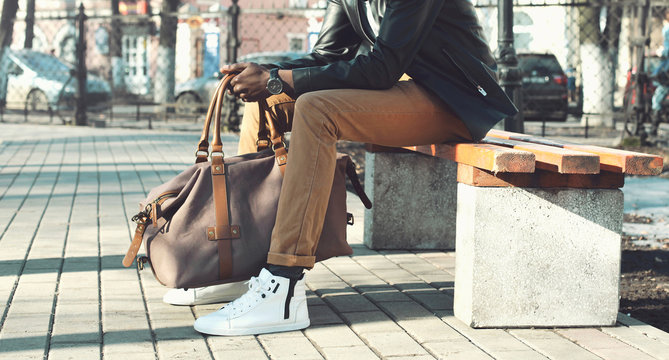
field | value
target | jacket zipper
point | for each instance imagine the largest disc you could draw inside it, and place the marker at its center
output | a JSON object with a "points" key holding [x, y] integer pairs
{"points": [[469, 78]]}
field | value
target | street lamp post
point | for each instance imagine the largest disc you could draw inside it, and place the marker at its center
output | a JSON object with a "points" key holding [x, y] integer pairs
{"points": [[232, 116], [80, 114], [509, 74]]}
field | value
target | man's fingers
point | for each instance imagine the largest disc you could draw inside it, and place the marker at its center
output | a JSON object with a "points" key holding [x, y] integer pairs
{"points": [[233, 68]]}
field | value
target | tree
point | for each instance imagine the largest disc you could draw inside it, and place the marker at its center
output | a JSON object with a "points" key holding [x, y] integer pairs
{"points": [[598, 49], [115, 51], [30, 24], [164, 79], [9, 9]]}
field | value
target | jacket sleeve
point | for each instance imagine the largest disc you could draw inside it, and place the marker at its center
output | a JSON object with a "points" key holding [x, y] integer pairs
{"points": [[337, 40], [403, 30]]}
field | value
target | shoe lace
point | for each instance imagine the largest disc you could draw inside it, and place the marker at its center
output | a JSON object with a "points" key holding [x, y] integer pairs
{"points": [[249, 298]]}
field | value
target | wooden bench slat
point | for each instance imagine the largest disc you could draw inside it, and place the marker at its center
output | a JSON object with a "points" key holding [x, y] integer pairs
{"points": [[614, 160], [553, 158], [473, 176], [485, 156]]}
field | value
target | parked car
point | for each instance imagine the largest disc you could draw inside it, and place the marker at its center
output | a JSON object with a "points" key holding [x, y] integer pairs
{"points": [[544, 87], [41, 82], [194, 95]]}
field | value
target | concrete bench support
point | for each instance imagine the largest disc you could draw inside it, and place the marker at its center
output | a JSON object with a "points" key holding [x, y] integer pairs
{"points": [[414, 199], [537, 257]]}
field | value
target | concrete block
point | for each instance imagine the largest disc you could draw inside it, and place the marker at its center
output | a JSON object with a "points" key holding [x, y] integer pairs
{"points": [[537, 257], [414, 199]]}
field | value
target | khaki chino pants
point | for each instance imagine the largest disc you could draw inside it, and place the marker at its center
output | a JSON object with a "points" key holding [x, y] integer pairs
{"points": [[406, 114]]}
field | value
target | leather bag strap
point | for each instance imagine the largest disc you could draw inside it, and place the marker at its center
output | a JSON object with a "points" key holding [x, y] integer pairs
{"points": [[276, 138], [223, 232]]}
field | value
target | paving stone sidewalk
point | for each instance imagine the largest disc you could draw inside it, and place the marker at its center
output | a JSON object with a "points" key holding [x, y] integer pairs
{"points": [[66, 197]]}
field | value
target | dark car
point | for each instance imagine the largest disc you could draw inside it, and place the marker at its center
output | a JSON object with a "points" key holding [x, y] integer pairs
{"points": [[544, 87], [194, 95]]}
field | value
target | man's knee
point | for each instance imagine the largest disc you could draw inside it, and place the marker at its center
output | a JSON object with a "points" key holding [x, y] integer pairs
{"points": [[313, 109]]}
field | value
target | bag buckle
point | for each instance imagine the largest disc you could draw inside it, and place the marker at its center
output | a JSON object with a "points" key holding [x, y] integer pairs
{"points": [[140, 218], [141, 260], [283, 144]]}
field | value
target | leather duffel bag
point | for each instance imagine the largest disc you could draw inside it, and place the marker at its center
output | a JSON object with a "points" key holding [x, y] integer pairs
{"points": [[212, 223]]}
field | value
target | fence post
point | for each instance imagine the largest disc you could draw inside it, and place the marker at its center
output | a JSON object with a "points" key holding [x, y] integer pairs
{"points": [[232, 115], [509, 74], [80, 114]]}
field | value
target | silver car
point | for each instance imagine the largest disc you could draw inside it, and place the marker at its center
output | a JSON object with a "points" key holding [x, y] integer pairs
{"points": [[194, 95], [41, 82]]}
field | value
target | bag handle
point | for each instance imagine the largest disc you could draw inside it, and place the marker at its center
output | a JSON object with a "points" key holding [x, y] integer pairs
{"points": [[213, 112]]}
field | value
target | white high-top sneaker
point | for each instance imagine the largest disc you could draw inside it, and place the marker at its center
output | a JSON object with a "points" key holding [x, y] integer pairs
{"points": [[206, 295], [269, 305]]}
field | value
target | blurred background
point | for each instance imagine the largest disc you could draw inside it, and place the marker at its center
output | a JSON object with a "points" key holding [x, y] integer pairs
{"points": [[141, 62]]}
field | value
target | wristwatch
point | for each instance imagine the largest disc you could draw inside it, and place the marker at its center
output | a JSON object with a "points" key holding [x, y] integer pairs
{"points": [[274, 84]]}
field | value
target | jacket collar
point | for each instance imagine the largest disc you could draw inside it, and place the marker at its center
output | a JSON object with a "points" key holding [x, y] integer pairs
{"points": [[353, 9]]}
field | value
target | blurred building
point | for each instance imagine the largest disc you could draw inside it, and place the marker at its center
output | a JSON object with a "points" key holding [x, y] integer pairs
{"points": [[201, 43]]}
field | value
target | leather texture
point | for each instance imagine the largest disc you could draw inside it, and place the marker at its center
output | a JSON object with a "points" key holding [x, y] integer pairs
{"points": [[223, 196], [440, 44]]}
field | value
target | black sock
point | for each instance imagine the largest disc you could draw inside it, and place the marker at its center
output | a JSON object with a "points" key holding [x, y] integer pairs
{"points": [[290, 272]]}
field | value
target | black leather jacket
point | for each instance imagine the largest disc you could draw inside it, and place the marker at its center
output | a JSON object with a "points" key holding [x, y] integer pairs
{"points": [[439, 43]]}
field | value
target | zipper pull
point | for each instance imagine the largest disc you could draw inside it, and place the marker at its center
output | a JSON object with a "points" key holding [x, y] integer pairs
{"points": [[480, 89]]}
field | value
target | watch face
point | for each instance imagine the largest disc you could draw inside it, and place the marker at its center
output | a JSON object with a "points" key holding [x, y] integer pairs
{"points": [[275, 86]]}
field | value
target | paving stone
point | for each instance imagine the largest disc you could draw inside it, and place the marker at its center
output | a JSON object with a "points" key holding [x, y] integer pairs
{"points": [[383, 293], [78, 331], [23, 345], [433, 300], [642, 327], [74, 351], [313, 299], [349, 302], [291, 345], [370, 321], [333, 336], [182, 349], [349, 352], [330, 288], [124, 321], [323, 315], [457, 349], [236, 347], [26, 323], [602, 344], [495, 342], [363, 280], [405, 310], [392, 343], [131, 355], [552, 345]]}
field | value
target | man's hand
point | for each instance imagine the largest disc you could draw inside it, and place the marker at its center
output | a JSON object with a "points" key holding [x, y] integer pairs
{"points": [[250, 84]]}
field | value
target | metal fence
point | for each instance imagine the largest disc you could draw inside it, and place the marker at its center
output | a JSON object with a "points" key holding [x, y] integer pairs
{"points": [[144, 62]]}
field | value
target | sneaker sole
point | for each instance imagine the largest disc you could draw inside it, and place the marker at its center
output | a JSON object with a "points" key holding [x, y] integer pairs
{"points": [[255, 331], [204, 301]]}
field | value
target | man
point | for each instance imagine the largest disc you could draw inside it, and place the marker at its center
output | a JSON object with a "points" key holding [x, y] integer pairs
{"points": [[348, 88]]}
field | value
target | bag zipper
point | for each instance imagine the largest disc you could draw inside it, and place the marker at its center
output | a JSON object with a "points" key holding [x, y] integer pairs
{"points": [[469, 78], [149, 211]]}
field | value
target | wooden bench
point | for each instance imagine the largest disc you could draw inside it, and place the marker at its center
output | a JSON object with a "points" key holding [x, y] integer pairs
{"points": [[536, 223]]}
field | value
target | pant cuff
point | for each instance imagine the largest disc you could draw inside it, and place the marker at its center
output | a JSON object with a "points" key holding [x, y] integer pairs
{"points": [[291, 260]]}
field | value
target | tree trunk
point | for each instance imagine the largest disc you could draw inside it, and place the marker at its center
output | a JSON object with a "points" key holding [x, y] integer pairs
{"points": [[164, 79], [596, 68], [115, 50], [30, 24], [9, 9]]}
